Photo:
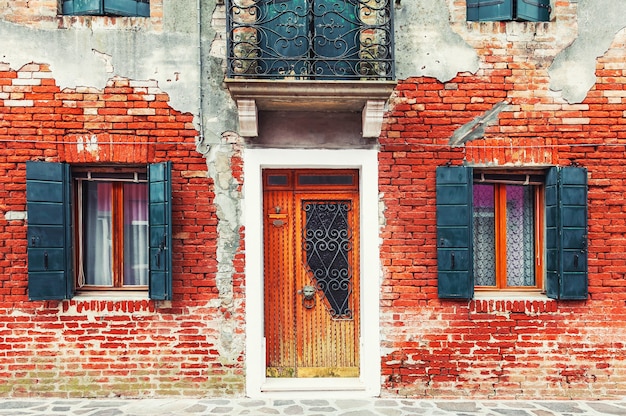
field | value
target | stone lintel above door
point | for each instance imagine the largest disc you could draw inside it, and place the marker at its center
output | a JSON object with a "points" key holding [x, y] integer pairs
{"points": [[367, 97]]}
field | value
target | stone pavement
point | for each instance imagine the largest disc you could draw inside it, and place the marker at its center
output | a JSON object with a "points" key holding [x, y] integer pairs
{"points": [[307, 407]]}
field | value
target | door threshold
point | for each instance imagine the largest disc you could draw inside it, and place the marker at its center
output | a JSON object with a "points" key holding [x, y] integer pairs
{"points": [[326, 386]]}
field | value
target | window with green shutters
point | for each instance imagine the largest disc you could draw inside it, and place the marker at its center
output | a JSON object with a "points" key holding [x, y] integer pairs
{"points": [[503, 231], [98, 229], [137, 8], [504, 10]]}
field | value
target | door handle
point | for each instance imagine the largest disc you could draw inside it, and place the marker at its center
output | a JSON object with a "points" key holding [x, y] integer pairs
{"points": [[308, 296]]}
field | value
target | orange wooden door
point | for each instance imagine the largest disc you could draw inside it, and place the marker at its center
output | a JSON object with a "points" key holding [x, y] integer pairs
{"points": [[311, 239]]}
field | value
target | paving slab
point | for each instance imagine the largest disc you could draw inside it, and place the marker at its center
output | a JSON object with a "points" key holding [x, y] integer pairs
{"points": [[306, 407]]}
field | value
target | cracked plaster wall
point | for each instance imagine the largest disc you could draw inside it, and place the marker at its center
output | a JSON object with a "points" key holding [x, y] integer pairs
{"points": [[87, 52], [427, 44], [432, 39], [573, 70]]}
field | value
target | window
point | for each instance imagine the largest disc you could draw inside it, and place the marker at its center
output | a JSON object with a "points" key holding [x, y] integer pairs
{"points": [[138, 8], [507, 232], [122, 236], [310, 39], [503, 10], [502, 232], [112, 230]]}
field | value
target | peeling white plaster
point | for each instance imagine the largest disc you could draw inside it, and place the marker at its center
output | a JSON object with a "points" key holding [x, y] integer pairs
{"points": [[573, 71], [89, 57], [15, 215], [426, 45], [89, 144]]}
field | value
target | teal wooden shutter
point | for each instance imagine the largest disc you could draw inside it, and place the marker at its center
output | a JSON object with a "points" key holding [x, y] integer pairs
{"points": [[533, 10], [336, 38], [283, 37], [489, 10], [160, 223], [127, 7], [48, 202], [82, 7], [566, 233], [454, 232]]}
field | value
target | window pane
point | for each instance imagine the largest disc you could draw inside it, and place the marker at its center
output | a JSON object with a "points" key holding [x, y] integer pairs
{"points": [[97, 233], [520, 241], [135, 234], [484, 235]]}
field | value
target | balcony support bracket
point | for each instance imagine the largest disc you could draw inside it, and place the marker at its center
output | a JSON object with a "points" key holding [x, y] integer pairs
{"points": [[248, 118], [373, 113], [366, 97]]}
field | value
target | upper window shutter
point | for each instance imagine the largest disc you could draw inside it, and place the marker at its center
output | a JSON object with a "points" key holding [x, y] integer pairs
{"points": [[160, 223], [127, 7], [489, 10], [566, 233], [82, 7], [533, 10], [454, 232], [49, 236]]}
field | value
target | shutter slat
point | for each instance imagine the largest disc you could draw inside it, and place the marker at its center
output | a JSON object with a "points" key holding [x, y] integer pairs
{"points": [[454, 232], [160, 223], [49, 231]]}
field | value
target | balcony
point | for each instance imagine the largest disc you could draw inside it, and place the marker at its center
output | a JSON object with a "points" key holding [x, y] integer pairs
{"points": [[316, 55]]}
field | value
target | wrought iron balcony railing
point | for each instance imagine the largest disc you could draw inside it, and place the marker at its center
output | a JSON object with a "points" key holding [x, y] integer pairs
{"points": [[310, 39]]}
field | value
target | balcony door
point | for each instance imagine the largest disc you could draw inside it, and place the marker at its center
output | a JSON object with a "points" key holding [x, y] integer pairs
{"points": [[311, 276], [312, 38]]}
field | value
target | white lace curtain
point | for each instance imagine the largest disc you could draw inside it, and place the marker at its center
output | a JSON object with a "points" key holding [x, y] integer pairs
{"points": [[519, 235], [98, 234]]}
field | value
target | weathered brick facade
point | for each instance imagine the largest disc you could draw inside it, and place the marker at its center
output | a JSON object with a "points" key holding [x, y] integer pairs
{"points": [[102, 347], [507, 112], [505, 348]]}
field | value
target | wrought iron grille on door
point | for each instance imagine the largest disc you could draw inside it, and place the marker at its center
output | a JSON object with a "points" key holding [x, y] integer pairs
{"points": [[327, 244]]}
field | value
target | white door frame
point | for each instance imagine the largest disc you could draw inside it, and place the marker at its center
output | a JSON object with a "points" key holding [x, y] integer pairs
{"points": [[366, 161]]}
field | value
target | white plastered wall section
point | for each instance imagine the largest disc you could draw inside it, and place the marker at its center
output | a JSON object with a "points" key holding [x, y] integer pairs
{"points": [[368, 383]]}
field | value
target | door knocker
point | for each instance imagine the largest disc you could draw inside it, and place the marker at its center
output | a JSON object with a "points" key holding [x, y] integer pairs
{"points": [[308, 296]]}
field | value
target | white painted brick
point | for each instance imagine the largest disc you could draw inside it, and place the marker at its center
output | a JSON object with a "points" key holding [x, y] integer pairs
{"points": [[576, 120], [26, 81], [18, 103], [141, 111]]}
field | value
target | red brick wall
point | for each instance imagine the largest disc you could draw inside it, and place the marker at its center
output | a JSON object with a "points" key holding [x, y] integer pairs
{"points": [[497, 348], [99, 347]]}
